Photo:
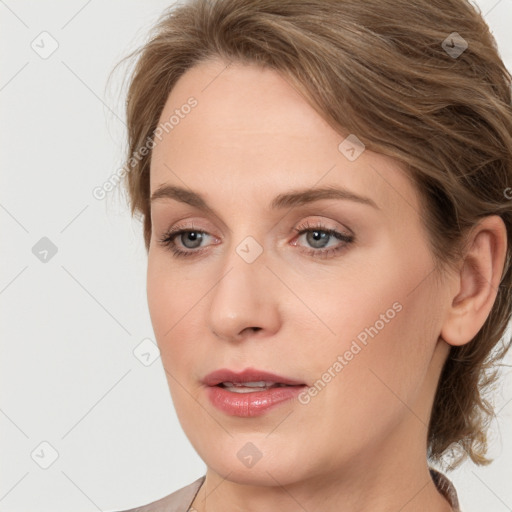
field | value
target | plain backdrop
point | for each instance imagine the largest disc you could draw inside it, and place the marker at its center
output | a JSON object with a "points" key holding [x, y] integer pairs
{"points": [[85, 425]]}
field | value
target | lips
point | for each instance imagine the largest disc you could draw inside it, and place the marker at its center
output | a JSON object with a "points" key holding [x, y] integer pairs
{"points": [[250, 392]]}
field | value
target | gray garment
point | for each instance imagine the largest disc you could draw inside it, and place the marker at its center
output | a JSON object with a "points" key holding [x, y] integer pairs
{"points": [[181, 500], [446, 488]]}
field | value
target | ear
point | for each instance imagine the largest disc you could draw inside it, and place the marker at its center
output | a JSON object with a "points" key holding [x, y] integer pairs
{"points": [[476, 285]]}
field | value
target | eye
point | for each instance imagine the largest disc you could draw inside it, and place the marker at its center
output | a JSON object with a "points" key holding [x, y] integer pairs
{"points": [[189, 238], [318, 237]]}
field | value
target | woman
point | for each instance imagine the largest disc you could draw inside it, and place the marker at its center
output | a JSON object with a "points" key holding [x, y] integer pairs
{"points": [[323, 187]]}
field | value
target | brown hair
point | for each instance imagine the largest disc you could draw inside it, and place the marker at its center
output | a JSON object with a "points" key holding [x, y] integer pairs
{"points": [[378, 69]]}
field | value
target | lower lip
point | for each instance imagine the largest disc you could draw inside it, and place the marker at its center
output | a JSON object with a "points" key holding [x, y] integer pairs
{"points": [[251, 404]]}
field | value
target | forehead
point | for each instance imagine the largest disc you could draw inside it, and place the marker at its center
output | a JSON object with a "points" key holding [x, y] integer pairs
{"points": [[251, 128], [243, 106]]}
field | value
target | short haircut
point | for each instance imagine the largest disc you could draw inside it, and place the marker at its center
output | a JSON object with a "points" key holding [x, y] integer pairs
{"points": [[396, 74]]}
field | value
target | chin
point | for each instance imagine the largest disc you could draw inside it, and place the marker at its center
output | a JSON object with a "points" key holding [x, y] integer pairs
{"points": [[263, 474], [250, 460]]}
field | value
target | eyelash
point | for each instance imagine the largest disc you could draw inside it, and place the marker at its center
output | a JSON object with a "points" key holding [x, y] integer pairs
{"points": [[167, 240]]}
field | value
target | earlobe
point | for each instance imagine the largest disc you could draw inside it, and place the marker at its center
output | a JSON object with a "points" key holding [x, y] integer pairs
{"points": [[476, 285]]}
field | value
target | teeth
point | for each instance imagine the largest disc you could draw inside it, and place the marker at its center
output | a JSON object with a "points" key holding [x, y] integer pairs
{"points": [[257, 384], [248, 387], [244, 390]]}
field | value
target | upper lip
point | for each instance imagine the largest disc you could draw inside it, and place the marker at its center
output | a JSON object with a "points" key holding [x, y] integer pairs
{"points": [[247, 375]]}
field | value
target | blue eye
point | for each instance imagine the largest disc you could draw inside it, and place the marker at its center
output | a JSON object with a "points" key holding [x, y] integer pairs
{"points": [[193, 236], [317, 237]]}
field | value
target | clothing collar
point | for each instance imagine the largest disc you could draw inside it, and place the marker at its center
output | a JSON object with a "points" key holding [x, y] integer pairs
{"points": [[446, 488]]}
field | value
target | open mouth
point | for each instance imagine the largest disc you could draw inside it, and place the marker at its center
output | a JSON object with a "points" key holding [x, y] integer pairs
{"points": [[250, 392], [251, 387]]}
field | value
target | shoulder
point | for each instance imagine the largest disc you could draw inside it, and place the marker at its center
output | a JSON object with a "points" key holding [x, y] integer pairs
{"points": [[178, 501]]}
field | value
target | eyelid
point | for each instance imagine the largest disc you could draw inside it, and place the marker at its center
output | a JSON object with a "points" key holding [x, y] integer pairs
{"points": [[314, 223], [321, 224]]}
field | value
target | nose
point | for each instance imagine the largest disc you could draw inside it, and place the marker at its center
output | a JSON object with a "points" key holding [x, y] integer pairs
{"points": [[245, 301]]}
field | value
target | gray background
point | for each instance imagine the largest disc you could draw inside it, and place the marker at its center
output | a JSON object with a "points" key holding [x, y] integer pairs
{"points": [[71, 324]]}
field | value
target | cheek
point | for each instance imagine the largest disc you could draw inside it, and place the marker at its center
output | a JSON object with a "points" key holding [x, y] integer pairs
{"points": [[173, 301], [386, 331], [377, 386], [172, 294], [162, 298]]}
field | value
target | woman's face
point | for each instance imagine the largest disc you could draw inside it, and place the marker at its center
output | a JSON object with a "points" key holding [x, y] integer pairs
{"points": [[351, 316]]}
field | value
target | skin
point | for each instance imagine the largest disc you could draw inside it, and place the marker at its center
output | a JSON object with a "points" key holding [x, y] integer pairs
{"points": [[360, 443]]}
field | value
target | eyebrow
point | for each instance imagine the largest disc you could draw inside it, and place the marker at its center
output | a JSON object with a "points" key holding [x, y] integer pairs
{"points": [[287, 200]]}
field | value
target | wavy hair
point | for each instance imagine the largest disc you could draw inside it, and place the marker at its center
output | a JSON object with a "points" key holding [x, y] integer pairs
{"points": [[387, 71]]}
